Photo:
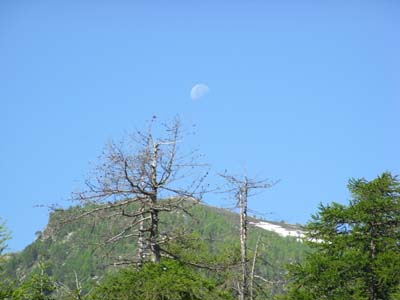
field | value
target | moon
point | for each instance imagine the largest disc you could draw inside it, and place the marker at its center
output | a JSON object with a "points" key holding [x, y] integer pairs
{"points": [[198, 91]]}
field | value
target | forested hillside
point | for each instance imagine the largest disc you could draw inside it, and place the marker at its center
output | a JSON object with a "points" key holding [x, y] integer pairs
{"points": [[348, 252], [76, 250]]}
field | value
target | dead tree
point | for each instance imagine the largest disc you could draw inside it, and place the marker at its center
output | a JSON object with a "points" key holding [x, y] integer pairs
{"points": [[242, 187], [138, 179], [253, 266]]}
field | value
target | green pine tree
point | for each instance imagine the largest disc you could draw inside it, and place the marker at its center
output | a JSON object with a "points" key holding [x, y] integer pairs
{"points": [[167, 280], [38, 286], [6, 285], [356, 248]]}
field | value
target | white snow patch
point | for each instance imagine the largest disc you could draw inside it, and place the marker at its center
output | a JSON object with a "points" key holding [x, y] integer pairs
{"points": [[285, 232], [282, 231]]}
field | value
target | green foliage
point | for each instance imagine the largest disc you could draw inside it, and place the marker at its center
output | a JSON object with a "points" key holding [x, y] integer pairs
{"points": [[6, 285], [208, 238], [38, 286], [167, 280], [4, 236], [356, 252]]}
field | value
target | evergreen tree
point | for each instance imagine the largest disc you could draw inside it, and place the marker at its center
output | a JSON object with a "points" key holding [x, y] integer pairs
{"points": [[38, 286], [6, 286], [356, 248], [166, 280], [4, 236]]}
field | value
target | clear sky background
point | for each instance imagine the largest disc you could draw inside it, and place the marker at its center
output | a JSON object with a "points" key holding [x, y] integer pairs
{"points": [[305, 92]]}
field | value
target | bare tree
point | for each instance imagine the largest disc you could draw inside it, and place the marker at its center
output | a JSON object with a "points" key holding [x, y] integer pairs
{"points": [[253, 266], [138, 179], [242, 187]]}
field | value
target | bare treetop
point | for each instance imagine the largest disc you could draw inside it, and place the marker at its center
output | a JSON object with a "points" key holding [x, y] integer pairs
{"points": [[143, 164], [242, 188], [141, 176]]}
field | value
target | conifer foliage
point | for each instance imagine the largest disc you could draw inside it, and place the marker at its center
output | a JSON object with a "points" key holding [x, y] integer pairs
{"points": [[5, 284], [166, 280], [356, 250]]}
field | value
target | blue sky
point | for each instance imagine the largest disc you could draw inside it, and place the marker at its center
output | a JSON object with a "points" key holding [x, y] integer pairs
{"points": [[305, 92]]}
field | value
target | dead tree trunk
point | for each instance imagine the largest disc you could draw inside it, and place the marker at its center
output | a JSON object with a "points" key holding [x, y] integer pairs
{"points": [[242, 203], [141, 239], [133, 180], [242, 188], [153, 238], [253, 266]]}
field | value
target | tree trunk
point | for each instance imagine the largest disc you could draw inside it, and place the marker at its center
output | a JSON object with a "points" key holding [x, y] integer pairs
{"points": [[154, 245], [251, 283], [243, 238], [242, 188], [141, 240]]}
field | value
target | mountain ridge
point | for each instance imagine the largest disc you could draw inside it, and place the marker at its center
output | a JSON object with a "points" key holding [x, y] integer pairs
{"points": [[74, 248]]}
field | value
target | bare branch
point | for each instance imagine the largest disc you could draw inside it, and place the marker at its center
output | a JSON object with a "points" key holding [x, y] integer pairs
{"points": [[241, 187], [132, 184]]}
